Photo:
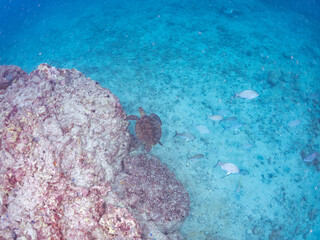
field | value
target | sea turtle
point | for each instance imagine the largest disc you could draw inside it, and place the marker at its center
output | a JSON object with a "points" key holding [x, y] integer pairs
{"points": [[148, 128]]}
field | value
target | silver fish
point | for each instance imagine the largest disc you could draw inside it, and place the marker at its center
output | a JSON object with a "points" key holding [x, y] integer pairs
{"points": [[216, 118], [185, 135], [229, 167], [196, 157], [247, 94], [311, 157]]}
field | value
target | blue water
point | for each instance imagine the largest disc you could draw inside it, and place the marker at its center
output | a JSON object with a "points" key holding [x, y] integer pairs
{"points": [[184, 60]]}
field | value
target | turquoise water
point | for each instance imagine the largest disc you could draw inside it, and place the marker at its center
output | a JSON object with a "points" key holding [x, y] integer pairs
{"points": [[183, 60]]}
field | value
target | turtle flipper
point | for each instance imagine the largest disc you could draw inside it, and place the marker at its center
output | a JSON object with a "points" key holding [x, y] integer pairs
{"points": [[156, 117], [160, 143], [132, 117]]}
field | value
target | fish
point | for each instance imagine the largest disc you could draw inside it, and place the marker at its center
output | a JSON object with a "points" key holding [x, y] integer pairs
{"points": [[247, 94], [216, 118], [203, 129], [229, 167], [311, 157], [185, 135], [196, 157], [294, 123]]}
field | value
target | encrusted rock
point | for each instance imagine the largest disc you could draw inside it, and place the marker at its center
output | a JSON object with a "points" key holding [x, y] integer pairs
{"points": [[9, 73], [63, 144], [62, 139], [153, 193], [118, 223]]}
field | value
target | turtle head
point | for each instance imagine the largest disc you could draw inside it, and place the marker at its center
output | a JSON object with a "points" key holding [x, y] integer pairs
{"points": [[141, 111]]}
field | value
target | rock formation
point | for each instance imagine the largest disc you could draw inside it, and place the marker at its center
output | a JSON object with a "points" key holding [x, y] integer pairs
{"points": [[66, 169]]}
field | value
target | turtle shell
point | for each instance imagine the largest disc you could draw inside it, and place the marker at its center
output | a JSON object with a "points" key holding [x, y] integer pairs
{"points": [[148, 130]]}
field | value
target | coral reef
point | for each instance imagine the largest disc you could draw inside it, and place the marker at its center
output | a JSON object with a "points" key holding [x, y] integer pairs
{"points": [[66, 171]]}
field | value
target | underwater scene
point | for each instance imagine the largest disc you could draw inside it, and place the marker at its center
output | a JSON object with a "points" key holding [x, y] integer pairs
{"points": [[224, 93]]}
